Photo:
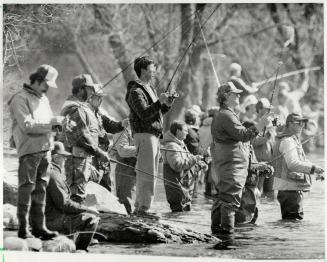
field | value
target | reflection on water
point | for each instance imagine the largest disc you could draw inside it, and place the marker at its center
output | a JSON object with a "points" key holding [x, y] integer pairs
{"points": [[269, 238]]}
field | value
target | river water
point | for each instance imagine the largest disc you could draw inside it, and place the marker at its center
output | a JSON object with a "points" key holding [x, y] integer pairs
{"points": [[270, 238]]}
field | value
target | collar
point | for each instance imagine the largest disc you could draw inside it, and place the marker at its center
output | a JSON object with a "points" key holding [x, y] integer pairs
{"points": [[55, 165], [30, 90]]}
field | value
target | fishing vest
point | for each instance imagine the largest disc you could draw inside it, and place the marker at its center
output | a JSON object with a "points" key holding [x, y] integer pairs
{"points": [[285, 179]]}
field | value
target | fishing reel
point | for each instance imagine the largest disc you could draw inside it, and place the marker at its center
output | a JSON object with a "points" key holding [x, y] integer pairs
{"points": [[172, 96]]}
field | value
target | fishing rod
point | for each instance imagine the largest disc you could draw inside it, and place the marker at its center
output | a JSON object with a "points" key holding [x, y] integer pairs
{"points": [[280, 62], [186, 50], [151, 47]]}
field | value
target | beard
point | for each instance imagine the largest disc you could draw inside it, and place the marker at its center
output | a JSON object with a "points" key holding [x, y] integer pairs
{"points": [[84, 95]]}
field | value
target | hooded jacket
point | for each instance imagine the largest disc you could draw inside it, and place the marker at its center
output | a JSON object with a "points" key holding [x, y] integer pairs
{"points": [[31, 127], [145, 114]]}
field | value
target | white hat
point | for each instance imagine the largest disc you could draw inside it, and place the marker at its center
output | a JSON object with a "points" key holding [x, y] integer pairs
{"points": [[249, 100], [50, 74]]}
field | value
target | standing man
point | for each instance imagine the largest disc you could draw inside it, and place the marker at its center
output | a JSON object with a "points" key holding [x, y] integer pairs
{"points": [[146, 111], [106, 125], [292, 168], [81, 136], [32, 125]]}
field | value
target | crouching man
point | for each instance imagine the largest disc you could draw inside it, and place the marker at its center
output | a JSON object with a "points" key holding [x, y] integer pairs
{"points": [[292, 168], [178, 168], [62, 213]]}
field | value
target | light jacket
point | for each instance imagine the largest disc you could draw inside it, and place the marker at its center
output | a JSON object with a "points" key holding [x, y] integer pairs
{"points": [[292, 169], [177, 160], [31, 127]]}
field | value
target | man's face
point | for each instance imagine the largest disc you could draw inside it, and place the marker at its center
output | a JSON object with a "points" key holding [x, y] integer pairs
{"points": [[297, 126], [41, 87], [182, 133], [96, 101], [149, 73], [233, 99]]}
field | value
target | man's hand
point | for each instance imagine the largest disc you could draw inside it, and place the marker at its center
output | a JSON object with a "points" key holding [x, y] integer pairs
{"points": [[103, 155], [125, 122], [163, 98], [57, 120], [93, 210], [319, 170]]}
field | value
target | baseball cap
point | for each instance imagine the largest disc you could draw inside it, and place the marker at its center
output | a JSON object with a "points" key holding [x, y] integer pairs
{"points": [[50, 74], [83, 80], [295, 117], [229, 87], [59, 149], [249, 100], [264, 103]]}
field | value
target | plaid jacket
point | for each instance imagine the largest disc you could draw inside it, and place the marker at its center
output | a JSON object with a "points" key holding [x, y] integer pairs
{"points": [[145, 115]]}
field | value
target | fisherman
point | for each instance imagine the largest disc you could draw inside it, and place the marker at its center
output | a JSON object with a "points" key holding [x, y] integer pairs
{"points": [[294, 96], [230, 156], [106, 125], [62, 213], [125, 176], [33, 121], [81, 134], [263, 145], [179, 168], [146, 111], [235, 77], [292, 169]]}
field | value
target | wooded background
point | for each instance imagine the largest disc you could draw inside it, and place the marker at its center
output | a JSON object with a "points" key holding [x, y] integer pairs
{"points": [[103, 39]]}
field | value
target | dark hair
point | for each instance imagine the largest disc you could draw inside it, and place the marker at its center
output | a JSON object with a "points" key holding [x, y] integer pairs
{"points": [[190, 117], [37, 76], [176, 125], [142, 63], [258, 106], [76, 89], [222, 97]]}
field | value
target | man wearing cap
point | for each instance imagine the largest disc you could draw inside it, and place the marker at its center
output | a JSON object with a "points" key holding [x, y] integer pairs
{"points": [[146, 118], [62, 213], [235, 77], [263, 145], [81, 136], [292, 168], [106, 125], [230, 157], [31, 129]]}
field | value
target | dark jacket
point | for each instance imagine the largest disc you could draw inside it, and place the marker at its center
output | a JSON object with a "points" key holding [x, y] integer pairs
{"points": [[58, 202], [230, 155], [192, 140], [145, 115]]}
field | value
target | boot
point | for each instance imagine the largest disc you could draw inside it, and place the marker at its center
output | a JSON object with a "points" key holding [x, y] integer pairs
{"points": [[83, 240], [39, 228], [22, 215]]}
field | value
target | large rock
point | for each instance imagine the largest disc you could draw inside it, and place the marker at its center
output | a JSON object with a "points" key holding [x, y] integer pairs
{"points": [[122, 228], [104, 200], [10, 182], [9, 217]]}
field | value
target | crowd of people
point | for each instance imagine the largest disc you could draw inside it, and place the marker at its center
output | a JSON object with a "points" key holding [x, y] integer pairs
{"points": [[230, 149]]}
